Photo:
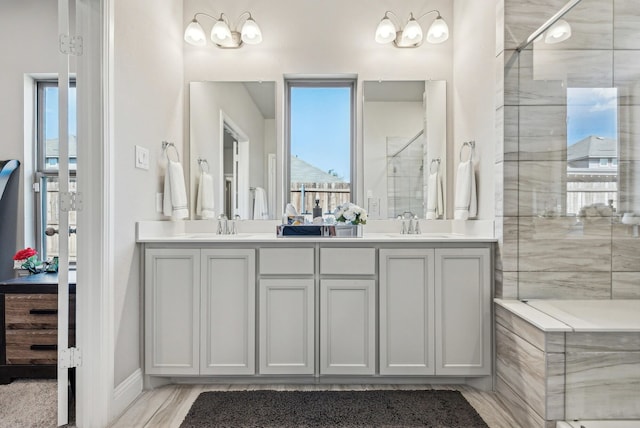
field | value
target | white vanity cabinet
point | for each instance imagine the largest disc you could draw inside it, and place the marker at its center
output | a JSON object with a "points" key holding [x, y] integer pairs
{"points": [[287, 311], [172, 311], [199, 311], [435, 311], [347, 310], [227, 308], [407, 312], [463, 311]]}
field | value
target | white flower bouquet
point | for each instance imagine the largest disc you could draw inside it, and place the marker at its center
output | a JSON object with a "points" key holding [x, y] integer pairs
{"points": [[351, 214]]}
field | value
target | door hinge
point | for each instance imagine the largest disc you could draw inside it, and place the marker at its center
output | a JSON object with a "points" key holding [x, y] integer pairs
{"points": [[36, 187], [70, 201], [70, 358], [70, 45]]}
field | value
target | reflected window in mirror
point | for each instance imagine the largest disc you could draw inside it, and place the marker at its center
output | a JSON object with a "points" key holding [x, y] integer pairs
{"points": [[321, 139], [592, 152]]}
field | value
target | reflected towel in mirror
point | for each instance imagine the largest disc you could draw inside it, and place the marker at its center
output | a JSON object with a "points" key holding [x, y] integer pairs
{"points": [[175, 193], [466, 202], [435, 202], [204, 202], [260, 207]]}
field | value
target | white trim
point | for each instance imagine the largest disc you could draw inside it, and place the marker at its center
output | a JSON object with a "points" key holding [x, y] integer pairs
{"points": [[94, 293], [126, 393]]}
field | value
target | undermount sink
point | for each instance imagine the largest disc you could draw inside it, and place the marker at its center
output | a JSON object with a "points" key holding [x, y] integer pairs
{"points": [[420, 235], [208, 236]]}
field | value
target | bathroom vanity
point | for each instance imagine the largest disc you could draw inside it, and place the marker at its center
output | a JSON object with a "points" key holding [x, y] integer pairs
{"points": [[382, 307]]}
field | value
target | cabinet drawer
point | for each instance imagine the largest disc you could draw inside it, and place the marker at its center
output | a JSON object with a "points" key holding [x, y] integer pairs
{"points": [[286, 261], [35, 311], [348, 261], [34, 346]]}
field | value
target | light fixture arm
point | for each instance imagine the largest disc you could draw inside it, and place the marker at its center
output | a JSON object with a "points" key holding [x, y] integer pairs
{"points": [[397, 21], [425, 14], [195, 16]]}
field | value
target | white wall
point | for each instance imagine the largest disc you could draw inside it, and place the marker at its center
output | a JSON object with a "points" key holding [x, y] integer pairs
{"points": [[474, 44], [29, 29], [148, 109], [319, 37]]}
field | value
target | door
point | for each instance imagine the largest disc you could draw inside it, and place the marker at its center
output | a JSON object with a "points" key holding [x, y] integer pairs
{"points": [[407, 312], [347, 326], [463, 311], [227, 330], [287, 326], [65, 355]]}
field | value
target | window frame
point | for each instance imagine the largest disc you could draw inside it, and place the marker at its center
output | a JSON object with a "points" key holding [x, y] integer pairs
{"points": [[42, 173], [350, 82]]}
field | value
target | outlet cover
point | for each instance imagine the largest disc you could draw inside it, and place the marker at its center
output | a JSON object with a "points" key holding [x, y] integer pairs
{"points": [[142, 157]]}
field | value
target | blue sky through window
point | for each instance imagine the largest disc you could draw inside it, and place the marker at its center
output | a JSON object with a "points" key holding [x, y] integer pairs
{"points": [[321, 128], [591, 111], [51, 112]]}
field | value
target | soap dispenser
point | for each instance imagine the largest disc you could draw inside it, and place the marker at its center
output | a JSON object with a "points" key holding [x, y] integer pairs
{"points": [[317, 210]]}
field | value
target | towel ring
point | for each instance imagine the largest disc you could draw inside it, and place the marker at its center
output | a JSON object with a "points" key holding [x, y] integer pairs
{"points": [[165, 147], [471, 145], [202, 163], [437, 162]]}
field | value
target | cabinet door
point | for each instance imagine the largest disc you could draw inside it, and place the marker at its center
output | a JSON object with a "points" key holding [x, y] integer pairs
{"points": [[227, 338], [287, 326], [463, 297], [172, 311], [407, 312], [347, 326]]}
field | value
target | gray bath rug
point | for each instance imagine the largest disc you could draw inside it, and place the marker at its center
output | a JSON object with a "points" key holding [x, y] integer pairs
{"points": [[431, 408]]}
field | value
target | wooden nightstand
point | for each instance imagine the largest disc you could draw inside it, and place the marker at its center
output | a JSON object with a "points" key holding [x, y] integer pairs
{"points": [[28, 326]]}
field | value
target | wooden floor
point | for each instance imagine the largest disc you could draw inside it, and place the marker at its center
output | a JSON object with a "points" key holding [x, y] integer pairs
{"points": [[168, 405]]}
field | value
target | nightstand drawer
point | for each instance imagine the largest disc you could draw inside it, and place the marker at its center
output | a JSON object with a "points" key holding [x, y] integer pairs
{"points": [[34, 311], [34, 346]]}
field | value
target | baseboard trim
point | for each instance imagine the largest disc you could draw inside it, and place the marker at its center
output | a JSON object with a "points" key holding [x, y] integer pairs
{"points": [[125, 393]]}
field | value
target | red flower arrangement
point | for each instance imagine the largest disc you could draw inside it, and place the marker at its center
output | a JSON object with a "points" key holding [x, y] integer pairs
{"points": [[25, 254], [26, 259]]}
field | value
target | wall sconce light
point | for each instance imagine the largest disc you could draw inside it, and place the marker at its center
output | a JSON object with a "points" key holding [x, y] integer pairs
{"points": [[222, 34], [558, 32], [411, 35]]}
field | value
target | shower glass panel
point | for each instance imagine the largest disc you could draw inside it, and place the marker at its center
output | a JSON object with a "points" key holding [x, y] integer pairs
{"points": [[405, 173]]}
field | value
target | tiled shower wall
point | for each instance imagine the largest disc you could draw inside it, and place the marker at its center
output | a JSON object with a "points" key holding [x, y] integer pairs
{"points": [[542, 252]]}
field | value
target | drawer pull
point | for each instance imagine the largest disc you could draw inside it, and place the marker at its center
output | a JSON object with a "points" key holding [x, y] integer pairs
{"points": [[44, 347], [43, 311]]}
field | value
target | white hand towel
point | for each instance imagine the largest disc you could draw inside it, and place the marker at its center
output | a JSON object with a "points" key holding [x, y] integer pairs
{"points": [[260, 207], [435, 202], [175, 192], [466, 203], [204, 204]]}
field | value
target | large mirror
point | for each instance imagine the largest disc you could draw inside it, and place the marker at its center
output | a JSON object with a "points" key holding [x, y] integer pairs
{"points": [[404, 131], [233, 139]]}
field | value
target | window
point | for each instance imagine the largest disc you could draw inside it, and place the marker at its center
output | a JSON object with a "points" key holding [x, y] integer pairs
{"points": [[320, 133], [47, 165]]}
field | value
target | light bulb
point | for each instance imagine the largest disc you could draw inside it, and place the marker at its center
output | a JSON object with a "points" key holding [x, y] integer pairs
{"points": [[220, 33], [386, 31], [251, 33], [438, 31], [559, 32], [412, 32], [194, 34]]}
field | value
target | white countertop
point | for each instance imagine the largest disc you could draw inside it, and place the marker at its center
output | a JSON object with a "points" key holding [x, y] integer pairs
{"points": [[265, 231]]}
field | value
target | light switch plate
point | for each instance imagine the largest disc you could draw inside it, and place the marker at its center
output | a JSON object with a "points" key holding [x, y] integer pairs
{"points": [[142, 157]]}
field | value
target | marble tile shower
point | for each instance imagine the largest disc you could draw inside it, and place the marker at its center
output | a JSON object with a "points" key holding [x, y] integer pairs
{"points": [[547, 248]]}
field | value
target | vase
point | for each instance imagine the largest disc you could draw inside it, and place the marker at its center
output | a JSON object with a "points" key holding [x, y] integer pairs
{"points": [[348, 230]]}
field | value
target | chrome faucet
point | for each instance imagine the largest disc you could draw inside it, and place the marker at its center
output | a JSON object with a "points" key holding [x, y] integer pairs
{"points": [[223, 228]]}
